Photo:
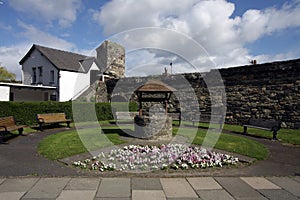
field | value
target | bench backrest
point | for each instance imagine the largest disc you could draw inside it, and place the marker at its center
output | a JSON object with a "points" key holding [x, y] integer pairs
{"points": [[52, 117], [7, 121], [270, 124], [125, 115]]}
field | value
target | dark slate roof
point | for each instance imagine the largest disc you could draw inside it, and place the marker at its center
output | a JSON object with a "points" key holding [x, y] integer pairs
{"points": [[62, 60]]}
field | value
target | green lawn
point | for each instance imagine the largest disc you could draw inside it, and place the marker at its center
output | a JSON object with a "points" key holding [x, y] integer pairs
{"points": [[228, 142], [69, 143], [291, 136]]}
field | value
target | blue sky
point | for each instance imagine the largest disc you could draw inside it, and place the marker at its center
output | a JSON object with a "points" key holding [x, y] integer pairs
{"points": [[232, 32]]}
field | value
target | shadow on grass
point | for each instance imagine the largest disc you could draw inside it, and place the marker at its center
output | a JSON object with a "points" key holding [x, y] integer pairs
{"points": [[120, 132], [49, 126], [247, 134]]}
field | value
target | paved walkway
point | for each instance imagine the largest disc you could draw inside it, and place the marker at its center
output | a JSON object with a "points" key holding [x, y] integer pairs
{"points": [[27, 175], [20, 158], [206, 188]]}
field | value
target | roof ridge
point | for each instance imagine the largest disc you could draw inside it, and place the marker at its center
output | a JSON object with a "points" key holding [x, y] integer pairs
{"points": [[37, 45]]}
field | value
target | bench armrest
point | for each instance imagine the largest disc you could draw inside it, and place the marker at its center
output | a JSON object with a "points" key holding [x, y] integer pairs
{"points": [[41, 120]]}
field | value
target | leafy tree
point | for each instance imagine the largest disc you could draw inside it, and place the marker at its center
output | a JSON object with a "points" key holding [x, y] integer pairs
{"points": [[6, 75]]}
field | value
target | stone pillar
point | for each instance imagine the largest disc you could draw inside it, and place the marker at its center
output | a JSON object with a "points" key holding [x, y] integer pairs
{"points": [[111, 58]]}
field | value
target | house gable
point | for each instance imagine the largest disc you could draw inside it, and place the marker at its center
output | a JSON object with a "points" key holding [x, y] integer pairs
{"points": [[62, 60]]}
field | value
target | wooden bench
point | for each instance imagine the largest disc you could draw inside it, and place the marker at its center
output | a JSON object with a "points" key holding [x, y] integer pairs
{"points": [[8, 124], [208, 118], [125, 117], [176, 117], [50, 118], [264, 124]]}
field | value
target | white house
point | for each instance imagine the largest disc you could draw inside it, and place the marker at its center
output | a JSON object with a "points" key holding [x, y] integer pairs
{"points": [[70, 73]]}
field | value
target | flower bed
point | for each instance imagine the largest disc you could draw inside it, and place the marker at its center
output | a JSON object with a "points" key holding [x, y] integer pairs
{"points": [[145, 158]]}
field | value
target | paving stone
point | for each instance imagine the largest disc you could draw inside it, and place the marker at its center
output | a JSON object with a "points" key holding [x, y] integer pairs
{"points": [[47, 188], [183, 198], [11, 195], [177, 188], [214, 195], [278, 195], [259, 183], [114, 187], [297, 178], [204, 183], [288, 184], [148, 195], [2, 180], [17, 184], [38, 198], [146, 184], [238, 188], [77, 194], [83, 184], [125, 198]]}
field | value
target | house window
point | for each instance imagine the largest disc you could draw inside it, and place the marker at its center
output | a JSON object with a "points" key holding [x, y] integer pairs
{"points": [[53, 97], [40, 70], [34, 75], [52, 76]]}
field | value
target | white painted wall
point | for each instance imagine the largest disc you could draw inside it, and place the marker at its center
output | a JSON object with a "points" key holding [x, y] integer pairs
{"points": [[36, 60], [71, 84], [4, 93]]}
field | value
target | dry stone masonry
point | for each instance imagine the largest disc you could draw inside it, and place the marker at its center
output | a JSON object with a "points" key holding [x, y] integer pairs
{"points": [[268, 91]]}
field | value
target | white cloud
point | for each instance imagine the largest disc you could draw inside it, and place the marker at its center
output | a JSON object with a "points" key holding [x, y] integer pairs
{"points": [[64, 11], [34, 35], [11, 55], [8, 55], [255, 23], [210, 23], [119, 15]]}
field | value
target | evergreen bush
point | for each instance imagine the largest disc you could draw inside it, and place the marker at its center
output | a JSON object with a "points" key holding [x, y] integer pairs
{"points": [[25, 112]]}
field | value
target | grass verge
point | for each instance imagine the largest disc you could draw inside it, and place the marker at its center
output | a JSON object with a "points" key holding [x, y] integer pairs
{"points": [[69, 143], [291, 136], [228, 142]]}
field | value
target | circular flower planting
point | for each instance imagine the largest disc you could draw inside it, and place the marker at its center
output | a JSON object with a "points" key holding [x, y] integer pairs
{"points": [[145, 158]]}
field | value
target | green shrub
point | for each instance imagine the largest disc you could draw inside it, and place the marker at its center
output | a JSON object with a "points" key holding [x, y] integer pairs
{"points": [[25, 112]]}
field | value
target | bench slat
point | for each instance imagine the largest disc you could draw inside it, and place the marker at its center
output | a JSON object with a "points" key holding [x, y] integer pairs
{"points": [[52, 118], [123, 117], [269, 125], [8, 124]]}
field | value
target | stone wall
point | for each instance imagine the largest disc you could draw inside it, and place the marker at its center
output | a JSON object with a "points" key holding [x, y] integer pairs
{"points": [[111, 59], [269, 91]]}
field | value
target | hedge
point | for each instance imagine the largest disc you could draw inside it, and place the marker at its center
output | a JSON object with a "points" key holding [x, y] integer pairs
{"points": [[25, 112]]}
